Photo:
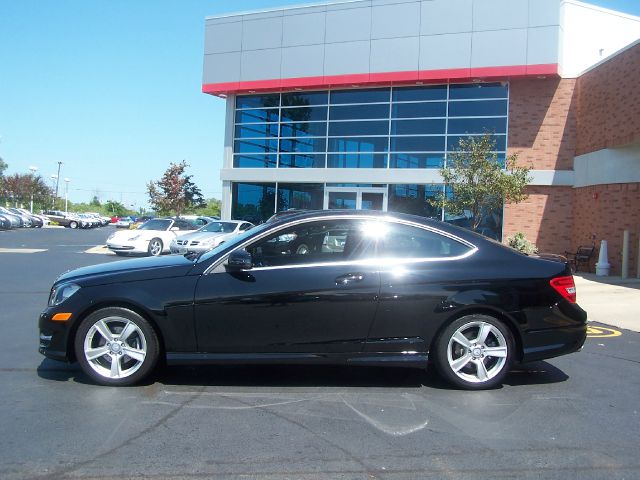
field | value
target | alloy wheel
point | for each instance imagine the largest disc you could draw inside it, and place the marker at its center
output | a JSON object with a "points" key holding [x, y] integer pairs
{"points": [[115, 347], [477, 352]]}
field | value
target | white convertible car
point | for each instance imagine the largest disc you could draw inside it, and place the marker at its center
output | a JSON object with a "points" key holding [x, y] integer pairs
{"points": [[209, 236], [151, 238]]}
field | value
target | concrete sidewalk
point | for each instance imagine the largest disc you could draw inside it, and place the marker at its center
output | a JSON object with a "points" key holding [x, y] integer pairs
{"points": [[610, 300]]}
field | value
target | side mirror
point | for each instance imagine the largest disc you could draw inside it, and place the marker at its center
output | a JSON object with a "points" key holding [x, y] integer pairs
{"points": [[239, 260]]}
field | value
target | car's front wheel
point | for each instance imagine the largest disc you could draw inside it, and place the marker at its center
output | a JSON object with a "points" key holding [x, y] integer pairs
{"points": [[116, 346], [73, 224], [155, 247], [474, 352]]}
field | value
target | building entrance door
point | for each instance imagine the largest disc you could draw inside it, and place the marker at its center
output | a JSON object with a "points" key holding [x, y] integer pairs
{"points": [[355, 198]]}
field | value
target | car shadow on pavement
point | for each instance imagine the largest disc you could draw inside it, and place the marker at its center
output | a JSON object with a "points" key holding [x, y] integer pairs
{"points": [[536, 373]]}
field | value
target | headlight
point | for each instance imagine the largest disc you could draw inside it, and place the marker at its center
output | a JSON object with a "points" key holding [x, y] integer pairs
{"points": [[111, 236], [60, 293], [135, 237]]}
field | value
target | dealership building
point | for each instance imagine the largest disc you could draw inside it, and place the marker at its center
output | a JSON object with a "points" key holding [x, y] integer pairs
{"points": [[358, 104]]}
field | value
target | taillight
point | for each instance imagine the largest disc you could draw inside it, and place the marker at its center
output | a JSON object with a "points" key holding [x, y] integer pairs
{"points": [[565, 287]]}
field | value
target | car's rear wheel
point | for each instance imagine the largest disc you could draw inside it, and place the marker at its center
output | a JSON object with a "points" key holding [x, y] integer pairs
{"points": [[116, 346], [155, 247], [73, 224], [302, 249], [474, 352]]}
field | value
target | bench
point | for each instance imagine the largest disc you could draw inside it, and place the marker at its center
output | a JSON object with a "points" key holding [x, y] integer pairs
{"points": [[582, 256]]}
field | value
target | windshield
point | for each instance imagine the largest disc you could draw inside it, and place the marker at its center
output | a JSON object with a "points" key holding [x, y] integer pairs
{"points": [[223, 227], [155, 225], [234, 241]]}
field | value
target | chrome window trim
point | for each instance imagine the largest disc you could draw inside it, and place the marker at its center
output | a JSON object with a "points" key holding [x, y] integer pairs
{"points": [[374, 261]]}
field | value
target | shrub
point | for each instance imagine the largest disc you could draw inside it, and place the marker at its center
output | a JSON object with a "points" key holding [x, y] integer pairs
{"points": [[519, 242]]}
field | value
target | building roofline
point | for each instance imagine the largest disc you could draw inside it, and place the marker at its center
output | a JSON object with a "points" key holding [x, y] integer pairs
{"points": [[610, 57], [609, 11], [282, 8]]}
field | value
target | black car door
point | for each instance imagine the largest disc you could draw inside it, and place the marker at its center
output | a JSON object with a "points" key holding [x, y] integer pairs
{"points": [[419, 270], [315, 299]]}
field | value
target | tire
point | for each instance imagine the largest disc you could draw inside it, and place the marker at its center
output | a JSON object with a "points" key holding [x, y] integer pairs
{"points": [[73, 224], [463, 358], [302, 249], [101, 331], [155, 247]]}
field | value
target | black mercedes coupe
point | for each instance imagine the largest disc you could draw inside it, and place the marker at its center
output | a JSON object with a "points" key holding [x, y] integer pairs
{"points": [[321, 287]]}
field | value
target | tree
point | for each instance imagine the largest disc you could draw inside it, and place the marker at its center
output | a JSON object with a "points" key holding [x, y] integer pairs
{"points": [[3, 166], [116, 209], [19, 188], [476, 182], [174, 192]]}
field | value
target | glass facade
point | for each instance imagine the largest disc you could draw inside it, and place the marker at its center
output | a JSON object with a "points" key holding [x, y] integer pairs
{"points": [[393, 127], [413, 127]]}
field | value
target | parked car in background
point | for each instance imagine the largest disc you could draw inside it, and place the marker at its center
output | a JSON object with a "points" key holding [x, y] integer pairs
{"points": [[36, 220], [16, 220], [209, 236], [24, 219], [5, 223], [151, 238], [400, 291], [124, 222], [63, 219]]}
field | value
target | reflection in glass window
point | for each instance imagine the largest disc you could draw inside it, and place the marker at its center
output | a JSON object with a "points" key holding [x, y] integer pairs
{"points": [[257, 101], [307, 129], [304, 144], [307, 196], [302, 160], [253, 202], [257, 130], [358, 144], [356, 112], [416, 160], [255, 161], [417, 144], [299, 99], [478, 90], [313, 242], [419, 110], [487, 108], [414, 199], [303, 114], [405, 241], [257, 116], [340, 129], [417, 94], [258, 145], [363, 95], [477, 125], [419, 127], [357, 160]]}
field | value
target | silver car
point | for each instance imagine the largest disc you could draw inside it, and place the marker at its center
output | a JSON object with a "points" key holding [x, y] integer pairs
{"points": [[209, 236]]}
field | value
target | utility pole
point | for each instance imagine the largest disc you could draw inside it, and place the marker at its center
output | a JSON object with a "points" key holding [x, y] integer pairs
{"points": [[57, 180], [66, 195], [33, 173]]}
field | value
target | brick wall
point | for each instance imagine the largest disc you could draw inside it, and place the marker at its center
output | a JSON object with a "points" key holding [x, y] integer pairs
{"points": [[542, 122], [616, 208], [609, 103], [545, 218]]}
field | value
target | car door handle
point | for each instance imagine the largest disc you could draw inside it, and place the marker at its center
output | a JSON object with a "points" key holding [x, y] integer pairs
{"points": [[349, 278]]}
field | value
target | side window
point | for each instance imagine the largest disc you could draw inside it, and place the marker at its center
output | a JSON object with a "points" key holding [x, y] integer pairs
{"points": [[182, 225], [312, 242], [245, 226], [405, 241]]}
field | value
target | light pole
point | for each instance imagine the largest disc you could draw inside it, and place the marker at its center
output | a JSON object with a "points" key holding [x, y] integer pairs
{"points": [[54, 179], [58, 178], [33, 173], [66, 195]]}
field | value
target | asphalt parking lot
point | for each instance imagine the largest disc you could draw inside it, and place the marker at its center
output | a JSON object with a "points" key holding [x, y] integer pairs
{"points": [[574, 417]]}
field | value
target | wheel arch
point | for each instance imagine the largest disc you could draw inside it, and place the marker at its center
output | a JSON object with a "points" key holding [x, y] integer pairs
{"points": [[498, 314], [71, 354]]}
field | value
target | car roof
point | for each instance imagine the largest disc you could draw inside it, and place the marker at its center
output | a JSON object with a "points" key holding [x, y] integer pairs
{"points": [[463, 233]]}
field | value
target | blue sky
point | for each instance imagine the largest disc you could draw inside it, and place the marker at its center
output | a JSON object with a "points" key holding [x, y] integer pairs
{"points": [[112, 88]]}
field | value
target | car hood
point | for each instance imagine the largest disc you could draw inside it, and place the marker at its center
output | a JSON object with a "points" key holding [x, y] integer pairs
{"points": [[131, 270], [125, 235]]}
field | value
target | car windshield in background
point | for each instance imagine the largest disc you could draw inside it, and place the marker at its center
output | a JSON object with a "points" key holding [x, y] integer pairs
{"points": [[155, 225], [235, 240], [222, 227]]}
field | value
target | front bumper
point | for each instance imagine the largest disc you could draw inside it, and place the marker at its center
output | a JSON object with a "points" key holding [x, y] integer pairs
{"points": [[182, 249], [53, 340], [133, 247]]}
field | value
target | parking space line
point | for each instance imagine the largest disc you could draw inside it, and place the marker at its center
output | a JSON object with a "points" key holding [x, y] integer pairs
{"points": [[22, 250]]}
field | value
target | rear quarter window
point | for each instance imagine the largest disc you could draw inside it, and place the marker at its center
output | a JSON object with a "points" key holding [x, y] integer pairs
{"points": [[406, 241]]}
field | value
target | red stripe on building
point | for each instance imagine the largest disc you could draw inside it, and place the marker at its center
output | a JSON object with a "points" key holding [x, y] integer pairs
{"points": [[382, 79]]}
